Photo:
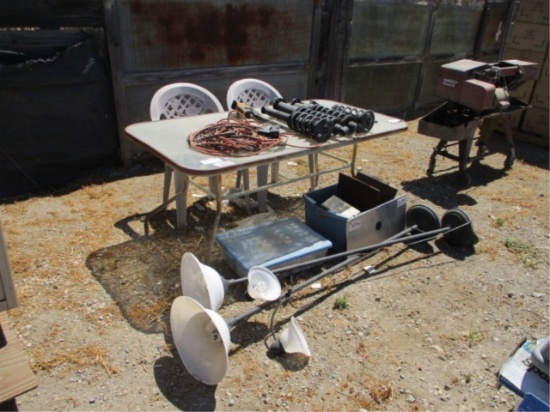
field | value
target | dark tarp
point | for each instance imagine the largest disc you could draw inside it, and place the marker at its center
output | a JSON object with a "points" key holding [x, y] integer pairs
{"points": [[57, 118]]}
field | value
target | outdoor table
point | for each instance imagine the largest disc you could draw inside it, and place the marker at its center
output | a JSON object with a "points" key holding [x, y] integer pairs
{"points": [[167, 140]]}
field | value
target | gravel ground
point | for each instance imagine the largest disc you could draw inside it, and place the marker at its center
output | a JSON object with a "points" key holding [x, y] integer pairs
{"points": [[429, 330]]}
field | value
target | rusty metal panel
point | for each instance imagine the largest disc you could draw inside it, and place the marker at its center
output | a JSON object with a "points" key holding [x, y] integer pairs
{"points": [[389, 29], [493, 29], [383, 87], [456, 27], [170, 34]]}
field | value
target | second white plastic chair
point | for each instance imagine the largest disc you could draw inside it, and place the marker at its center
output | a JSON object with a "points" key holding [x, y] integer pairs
{"points": [[255, 93], [181, 100]]}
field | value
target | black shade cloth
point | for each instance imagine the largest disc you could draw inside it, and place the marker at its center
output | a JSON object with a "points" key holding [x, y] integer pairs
{"points": [[56, 119]]}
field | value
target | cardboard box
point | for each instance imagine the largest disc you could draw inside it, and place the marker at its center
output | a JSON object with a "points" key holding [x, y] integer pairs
{"points": [[524, 91], [533, 11], [535, 121], [272, 245], [382, 215], [540, 95], [529, 36]]}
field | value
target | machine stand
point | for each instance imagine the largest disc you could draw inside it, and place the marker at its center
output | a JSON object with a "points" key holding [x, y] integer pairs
{"points": [[466, 142], [475, 91]]}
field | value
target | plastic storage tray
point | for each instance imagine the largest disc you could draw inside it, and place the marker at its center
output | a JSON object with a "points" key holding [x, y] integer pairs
{"points": [[272, 245]]}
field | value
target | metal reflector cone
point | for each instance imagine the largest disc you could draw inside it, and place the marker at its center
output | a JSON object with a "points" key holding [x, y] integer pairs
{"points": [[202, 339], [263, 284], [201, 282], [293, 339]]}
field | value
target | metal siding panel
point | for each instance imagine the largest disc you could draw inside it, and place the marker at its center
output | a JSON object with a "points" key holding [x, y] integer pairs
{"points": [[456, 28], [427, 94], [383, 87], [171, 34], [382, 30]]}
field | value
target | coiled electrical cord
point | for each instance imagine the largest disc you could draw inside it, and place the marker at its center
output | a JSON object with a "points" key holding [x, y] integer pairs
{"points": [[234, 137]]}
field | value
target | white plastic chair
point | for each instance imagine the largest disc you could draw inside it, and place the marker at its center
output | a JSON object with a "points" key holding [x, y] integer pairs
{"points": [[180, 100], [255, 93]]}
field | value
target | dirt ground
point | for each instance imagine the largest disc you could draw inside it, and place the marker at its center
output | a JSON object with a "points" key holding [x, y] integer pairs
{"points": [[429, 330]]}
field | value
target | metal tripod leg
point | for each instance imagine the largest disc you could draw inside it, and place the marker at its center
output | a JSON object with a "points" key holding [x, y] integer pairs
{"points": [[487, 128], [437, 150], [464, 147], [507, 128]]}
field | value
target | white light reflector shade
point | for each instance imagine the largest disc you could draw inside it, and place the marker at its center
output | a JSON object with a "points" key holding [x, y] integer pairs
{"points": [[202, 339], [263, 284]]}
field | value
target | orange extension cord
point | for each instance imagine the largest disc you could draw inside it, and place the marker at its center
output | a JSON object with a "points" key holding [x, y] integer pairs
{"points": [[235, 137]]}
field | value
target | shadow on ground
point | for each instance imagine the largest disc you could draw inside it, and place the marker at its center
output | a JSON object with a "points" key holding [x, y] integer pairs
{"points": [[94, 176], [444, 186], [143, 278]]}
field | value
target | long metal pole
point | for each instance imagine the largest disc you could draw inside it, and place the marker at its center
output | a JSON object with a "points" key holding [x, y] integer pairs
{"points": [[389, 242], [350, 260], [229, 282]]}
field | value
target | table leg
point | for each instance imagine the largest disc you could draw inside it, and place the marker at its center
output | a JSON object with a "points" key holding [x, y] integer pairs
{"points": [[246, 185], [274, 172], [262, 172], [181, 180], [313, 160], [353, 159], [217, 190]]}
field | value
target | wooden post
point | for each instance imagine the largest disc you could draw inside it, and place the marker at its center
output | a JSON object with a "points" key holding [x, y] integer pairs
{"points": [[334, 59], [117, 73], [8, 297]]}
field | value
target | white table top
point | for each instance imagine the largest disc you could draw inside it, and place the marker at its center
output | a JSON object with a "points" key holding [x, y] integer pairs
{"points": [[167, 139]]}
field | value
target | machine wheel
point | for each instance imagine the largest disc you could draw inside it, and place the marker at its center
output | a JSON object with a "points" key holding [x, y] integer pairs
{"points": [[423, 217], [461, 232]]}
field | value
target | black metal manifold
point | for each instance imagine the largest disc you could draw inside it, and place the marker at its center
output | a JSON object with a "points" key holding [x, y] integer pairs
{"points": [[319, 122]]}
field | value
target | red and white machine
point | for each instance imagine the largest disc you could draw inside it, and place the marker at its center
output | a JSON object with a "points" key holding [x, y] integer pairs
{"points": [[475, 91], [483, 86]]}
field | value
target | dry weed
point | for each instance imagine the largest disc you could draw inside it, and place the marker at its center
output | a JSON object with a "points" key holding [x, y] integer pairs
{"points": [[85, 356]]}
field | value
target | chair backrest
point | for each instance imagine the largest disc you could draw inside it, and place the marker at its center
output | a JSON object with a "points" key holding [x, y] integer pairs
{"points": [[253, 92], [182, 99]]}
